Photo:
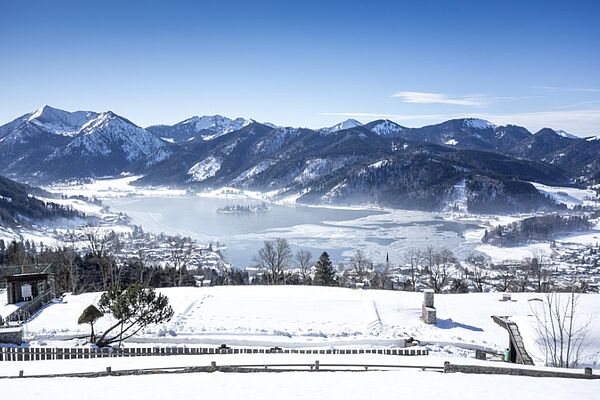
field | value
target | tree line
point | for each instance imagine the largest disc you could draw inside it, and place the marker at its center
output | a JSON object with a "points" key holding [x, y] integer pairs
{"points": [[537, 228], [430, 267], [98, 269]]}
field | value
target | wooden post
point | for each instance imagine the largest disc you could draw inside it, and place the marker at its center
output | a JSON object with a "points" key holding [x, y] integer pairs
{"points": [[446, 366]]}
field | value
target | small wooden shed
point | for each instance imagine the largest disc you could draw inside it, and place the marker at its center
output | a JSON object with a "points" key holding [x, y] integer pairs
{"points": [[26, 287]]}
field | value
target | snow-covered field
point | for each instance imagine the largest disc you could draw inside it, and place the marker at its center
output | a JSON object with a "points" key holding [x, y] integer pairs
{"points": [[236, 314], [113, 187], [571, 197], [300, 316], [305, 385]]}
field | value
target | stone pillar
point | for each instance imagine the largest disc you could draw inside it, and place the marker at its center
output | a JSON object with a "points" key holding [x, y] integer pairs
{"points": [[428, 298], [428, 314]]}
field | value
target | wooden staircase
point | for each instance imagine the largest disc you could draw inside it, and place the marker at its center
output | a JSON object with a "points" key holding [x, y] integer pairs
{"points": [[518, 353]]}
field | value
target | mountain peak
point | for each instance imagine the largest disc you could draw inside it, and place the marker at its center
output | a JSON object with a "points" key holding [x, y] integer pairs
{"points": [[347, 124], [60, 122], [478, 123], [384, 127]]}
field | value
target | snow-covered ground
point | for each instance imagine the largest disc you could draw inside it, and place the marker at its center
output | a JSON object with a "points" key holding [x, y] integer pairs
{"points": [[304, 385], [571, 197], [112, 187], [241, 315], [304, 316]]}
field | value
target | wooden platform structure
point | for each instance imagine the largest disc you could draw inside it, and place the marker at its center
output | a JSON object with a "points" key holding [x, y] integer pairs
{"points": [[25, 283], [30, 287], [518, 354]]}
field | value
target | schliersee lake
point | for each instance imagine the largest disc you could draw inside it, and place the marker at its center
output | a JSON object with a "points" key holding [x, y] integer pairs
{"points": [[338, 231]]}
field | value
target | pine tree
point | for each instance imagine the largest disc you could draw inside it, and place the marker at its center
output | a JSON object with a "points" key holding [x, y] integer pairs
{"points": [[324, 274]]}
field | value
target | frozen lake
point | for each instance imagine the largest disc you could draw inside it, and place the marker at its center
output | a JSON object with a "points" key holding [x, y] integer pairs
{"points": [[338, 231]]}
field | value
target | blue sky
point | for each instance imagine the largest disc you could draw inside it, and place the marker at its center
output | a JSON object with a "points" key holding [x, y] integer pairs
{"points": [[306, 63]]}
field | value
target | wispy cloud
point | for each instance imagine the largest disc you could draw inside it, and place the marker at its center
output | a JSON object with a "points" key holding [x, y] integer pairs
{"points": [[566, 89], [582, 122], [579, 104], [441, 98]]}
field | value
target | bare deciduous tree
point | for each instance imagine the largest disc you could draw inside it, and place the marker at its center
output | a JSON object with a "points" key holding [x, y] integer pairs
{"points": [[304, 262], [563, 336], [438, 264], [413, 258], [360, 266], [537, 269], [478, 269], [273, 259], [180, 255], [100, 243]]}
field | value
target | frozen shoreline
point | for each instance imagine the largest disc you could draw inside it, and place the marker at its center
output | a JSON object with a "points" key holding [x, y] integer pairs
{"points": [[122, 187]]}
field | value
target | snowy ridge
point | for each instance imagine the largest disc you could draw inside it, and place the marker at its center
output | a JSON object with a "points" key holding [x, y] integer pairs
{"points": [[108, 133], [60, 122], [347, 124], [479, 123], [567, 135], [252, 172], [205, 169], [316, 168], [386, 128], [217, 123]]}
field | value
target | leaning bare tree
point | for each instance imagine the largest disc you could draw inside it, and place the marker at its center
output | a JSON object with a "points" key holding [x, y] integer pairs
{"points": [[563, 335], [273, 259]]}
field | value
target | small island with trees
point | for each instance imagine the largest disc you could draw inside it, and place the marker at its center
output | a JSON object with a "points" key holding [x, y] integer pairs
{"points": [[244, 209]]}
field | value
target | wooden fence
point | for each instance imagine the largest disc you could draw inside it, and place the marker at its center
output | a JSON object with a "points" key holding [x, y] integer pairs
{"points": [[66, 353]]}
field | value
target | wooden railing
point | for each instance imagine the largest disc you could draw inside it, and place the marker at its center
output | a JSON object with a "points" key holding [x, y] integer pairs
{"points": [[24, 313]]}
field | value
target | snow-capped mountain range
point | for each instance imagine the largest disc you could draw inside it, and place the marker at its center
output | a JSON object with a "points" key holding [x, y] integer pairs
{"points": [[199, 128], [379, 162]]}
